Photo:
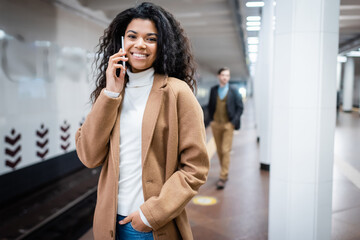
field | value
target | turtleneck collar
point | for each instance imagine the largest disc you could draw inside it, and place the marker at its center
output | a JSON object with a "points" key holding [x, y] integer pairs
{"points": [[140, 79]]}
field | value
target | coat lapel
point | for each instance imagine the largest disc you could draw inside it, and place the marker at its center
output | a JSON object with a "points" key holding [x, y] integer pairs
{"points": [[151, 114]]}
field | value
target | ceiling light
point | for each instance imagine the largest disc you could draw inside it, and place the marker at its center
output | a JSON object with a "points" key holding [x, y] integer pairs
{"points": [[253, 18], [255, 4], [349, 7], [253, 40], [253, 24], [253, 48], [349, 17], [341, 58], [250, 29], [252, 57], [353, 54]]}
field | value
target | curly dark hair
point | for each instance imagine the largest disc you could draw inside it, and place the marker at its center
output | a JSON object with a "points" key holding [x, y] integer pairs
{"points": [[174, 57]]}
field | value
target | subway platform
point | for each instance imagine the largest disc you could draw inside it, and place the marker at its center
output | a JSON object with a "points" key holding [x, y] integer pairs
{"points": [[240, 211]]}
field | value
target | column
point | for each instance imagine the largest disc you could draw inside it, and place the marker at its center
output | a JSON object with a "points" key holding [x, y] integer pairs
{"points": [[338, 75], [263, 79], [303, 119], [349, 73]]}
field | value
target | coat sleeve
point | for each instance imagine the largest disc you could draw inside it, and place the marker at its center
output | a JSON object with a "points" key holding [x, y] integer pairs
{"points": [[182, 186], [93, 137], [211, 104], [239, 109]]}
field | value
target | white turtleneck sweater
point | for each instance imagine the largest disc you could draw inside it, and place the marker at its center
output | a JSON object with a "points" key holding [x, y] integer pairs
{"points": [[137, 90]]}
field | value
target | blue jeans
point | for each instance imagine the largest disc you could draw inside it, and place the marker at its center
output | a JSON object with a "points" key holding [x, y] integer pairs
{"points": [[127, 232]]}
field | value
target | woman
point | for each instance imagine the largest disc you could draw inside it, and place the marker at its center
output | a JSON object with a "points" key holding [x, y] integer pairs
{"points": [[145, 129]]}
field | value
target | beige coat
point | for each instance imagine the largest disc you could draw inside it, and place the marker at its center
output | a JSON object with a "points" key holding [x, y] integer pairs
{"points": [[174, 157]]}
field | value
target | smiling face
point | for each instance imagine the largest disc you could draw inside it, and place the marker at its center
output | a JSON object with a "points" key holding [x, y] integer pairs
{"points": [[140, 44]]}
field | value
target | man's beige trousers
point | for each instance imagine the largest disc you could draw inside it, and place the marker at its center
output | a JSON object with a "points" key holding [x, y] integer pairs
{"points": [[223, 135]]}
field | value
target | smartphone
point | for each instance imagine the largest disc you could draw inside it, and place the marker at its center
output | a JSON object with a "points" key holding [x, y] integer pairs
{"points": [[122, 47]]}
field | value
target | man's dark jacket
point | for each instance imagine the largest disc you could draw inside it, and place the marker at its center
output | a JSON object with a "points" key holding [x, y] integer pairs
{"points": [[234, 105]]}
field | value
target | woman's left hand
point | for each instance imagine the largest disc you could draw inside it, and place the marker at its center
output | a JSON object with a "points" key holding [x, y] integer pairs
{"points": [[136, 222]]}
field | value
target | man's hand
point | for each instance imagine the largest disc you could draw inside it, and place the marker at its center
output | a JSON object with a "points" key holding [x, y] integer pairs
{"points": [[136, 222]]}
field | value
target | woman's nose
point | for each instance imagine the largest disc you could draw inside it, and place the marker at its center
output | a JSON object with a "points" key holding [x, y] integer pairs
{"points": [[140, 43]]}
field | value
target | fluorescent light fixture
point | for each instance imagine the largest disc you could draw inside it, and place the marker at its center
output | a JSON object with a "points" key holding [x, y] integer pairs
{"points": [[250, 29], [253, 40], [349, 17], [253, 24], [341, 58], [253, 18], [353, 54], [350, 7], [255, 4], [252, 57], [253, 48]]}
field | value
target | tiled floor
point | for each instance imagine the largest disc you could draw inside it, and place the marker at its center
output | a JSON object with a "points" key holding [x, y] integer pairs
{"points": [[241, 211], [346, 193]]}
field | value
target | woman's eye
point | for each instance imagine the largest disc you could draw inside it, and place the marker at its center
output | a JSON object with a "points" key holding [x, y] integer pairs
{"points": [[152, 39], [131, 36]]}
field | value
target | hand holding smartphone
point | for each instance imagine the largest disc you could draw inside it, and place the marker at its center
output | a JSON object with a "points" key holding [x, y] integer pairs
{"points": [[116, 71]]}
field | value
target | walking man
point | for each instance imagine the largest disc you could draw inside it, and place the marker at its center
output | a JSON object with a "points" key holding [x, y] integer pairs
{"points": [[225, 108]]}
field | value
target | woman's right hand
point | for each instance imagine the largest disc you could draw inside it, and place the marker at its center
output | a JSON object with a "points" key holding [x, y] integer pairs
{"points": [[116, 83]]}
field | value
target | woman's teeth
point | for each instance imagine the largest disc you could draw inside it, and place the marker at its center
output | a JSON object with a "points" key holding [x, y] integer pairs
{"points": [[139, 55]]}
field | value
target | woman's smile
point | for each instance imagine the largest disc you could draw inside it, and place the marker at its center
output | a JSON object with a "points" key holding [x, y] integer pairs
{"points": [[139, 56]]}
